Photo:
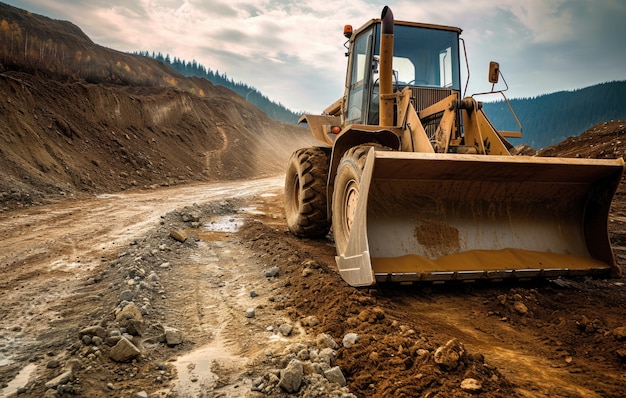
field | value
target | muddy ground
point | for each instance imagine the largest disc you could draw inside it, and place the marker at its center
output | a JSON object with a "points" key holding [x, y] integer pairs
{"points": [[68, 266]]}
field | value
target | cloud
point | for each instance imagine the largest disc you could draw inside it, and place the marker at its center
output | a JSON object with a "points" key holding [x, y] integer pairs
{"points": [[293, 51]]}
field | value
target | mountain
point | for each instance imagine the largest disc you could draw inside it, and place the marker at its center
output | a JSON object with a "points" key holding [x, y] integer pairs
{"points": [[551, 118], [77, 117]]}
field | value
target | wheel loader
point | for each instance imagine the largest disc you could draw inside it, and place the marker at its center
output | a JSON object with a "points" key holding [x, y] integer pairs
{"points": [[416, 184]]}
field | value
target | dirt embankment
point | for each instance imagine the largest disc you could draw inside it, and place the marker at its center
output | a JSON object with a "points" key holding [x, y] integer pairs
{"points": [[78, 117], [67, 137]]}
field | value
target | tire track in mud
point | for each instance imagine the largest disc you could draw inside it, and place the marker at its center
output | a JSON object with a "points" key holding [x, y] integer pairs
{"points": [[52, 251]]}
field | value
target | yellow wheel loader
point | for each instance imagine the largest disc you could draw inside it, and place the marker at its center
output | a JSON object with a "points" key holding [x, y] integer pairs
{"points": [[417, 185]]}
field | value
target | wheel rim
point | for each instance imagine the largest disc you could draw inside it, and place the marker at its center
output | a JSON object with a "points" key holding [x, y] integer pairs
{"points": [[352, 197]]}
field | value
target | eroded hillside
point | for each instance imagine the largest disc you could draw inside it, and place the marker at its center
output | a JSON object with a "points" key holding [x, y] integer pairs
{"points": [[84, 118]]}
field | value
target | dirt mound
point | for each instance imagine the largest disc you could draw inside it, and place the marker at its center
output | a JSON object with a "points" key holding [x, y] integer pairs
{"points": [[602, 141]]}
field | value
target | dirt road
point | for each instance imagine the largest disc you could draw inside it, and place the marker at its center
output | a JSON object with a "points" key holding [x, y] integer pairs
{"points": [[68, 266]]}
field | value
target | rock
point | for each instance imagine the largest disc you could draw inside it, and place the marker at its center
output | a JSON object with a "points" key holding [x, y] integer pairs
{"points": [[310, 321], [65, 389], [334, 375], [520, 308], [142, 394], [178, 235], [422, 352], [273, 272], [250, 313], [303, 355], [124, 351], [285, 329], [112, 340], [74, 364], [324, 340], [172, 336], [326, 357], [350, 339], [306, 272], [254, 294], [130, 318], [449, 356], [53, 364], [63, 378], [127, 295], [471, 385], [620, 333], [191, 217], [92, 331], [291, 376]]}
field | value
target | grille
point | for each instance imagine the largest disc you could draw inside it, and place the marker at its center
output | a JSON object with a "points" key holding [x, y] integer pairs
{"points": [[424, 97]]}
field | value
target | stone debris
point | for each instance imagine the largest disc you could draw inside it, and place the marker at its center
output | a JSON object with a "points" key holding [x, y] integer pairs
{"points": [[273, 272], [130, 318], [350, 339], [291, 376], [63, 378], [173, 336], [471, 385], [520, 307], [334, 375], [91, 331], [326, 341], [124, 351], [178, 235], [451, 355], [310, 321], [305, 370], [285, 329]]}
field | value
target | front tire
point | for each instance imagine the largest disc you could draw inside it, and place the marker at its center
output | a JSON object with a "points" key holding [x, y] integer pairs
{"points": [[305, 193], [346, 194]]}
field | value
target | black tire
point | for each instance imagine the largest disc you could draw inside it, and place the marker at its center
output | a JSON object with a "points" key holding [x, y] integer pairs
{"points": [[305, 193], [346, 193]]}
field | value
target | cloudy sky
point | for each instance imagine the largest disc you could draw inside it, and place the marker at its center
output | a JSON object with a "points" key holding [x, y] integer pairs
{"points": [[292, 51]]}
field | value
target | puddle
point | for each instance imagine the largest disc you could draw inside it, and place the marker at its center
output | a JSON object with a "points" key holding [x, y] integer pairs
{"points": [[227, 223], [20, 380], [195, 370]]}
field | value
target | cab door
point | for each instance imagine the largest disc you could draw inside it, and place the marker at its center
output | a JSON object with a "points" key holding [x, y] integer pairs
{"points": [[359, 80]]}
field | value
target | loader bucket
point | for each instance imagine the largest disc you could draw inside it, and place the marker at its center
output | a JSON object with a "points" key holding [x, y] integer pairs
{"points": [[440, 217]]}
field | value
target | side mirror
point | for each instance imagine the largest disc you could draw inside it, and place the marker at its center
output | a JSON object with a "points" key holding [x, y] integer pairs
{"points": [[494, 72]]}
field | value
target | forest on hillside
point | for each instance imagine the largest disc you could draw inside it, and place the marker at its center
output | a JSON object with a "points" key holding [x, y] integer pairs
{"points": [[272, 109], [550, 118]]}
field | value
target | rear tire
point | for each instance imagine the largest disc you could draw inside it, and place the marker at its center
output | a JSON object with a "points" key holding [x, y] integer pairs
{"points": [[346, 193], [305, 193]]}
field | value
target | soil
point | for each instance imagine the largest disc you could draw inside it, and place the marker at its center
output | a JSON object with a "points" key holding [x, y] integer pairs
{"points": [[119, 196]]}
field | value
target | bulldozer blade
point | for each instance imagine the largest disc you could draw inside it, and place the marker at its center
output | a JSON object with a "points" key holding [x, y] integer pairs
{"points": [[440, 217]]}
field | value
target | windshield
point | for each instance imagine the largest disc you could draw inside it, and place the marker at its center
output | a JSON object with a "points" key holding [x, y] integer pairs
{"points": [[425, 57]]}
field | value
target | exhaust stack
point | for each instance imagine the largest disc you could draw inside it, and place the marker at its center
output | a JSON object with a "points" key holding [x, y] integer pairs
{"points": [[386, 68]]}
